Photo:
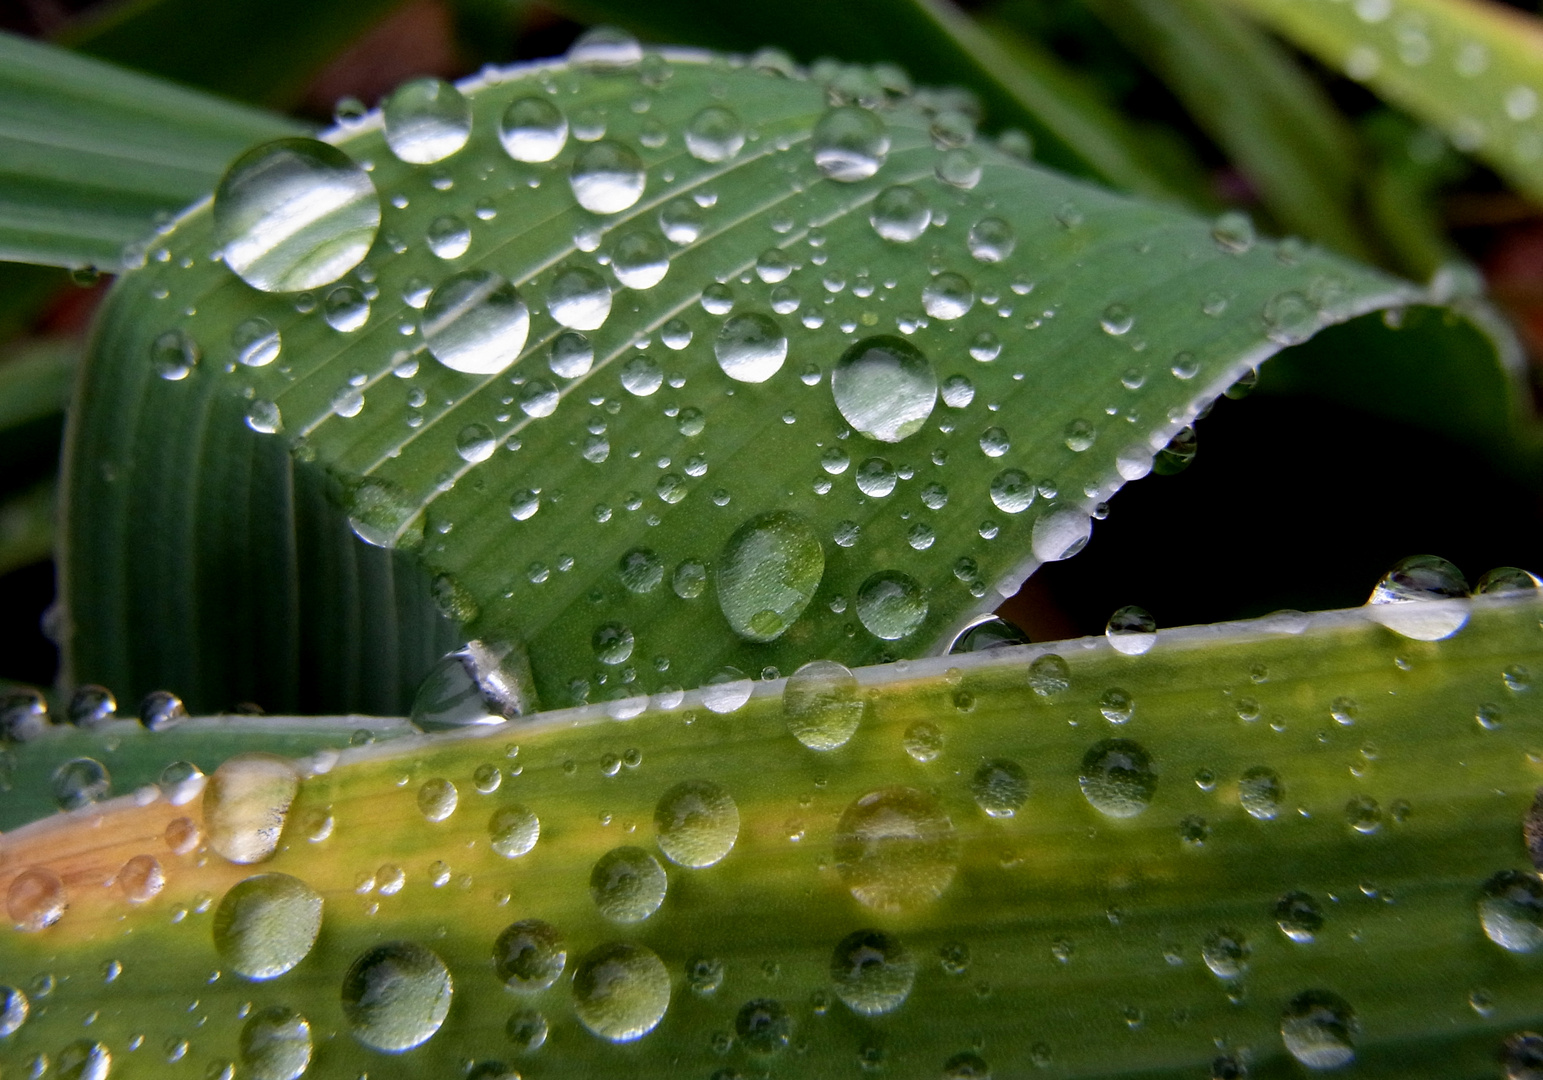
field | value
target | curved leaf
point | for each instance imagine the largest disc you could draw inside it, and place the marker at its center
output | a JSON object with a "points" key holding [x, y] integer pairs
{"points": [[1386, 779], [1070, 348]]}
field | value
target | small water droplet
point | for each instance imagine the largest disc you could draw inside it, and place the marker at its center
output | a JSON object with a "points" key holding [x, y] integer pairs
{"points": [[900, 214], [1261, 792], [715, 134], [872, 971], [891, 605]]}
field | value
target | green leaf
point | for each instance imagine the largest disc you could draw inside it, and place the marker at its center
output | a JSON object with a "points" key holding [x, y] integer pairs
{"points": [[27, 526], [1273, 121], [1019, 82], [1470, 68], [92, 156], [265, 53], [600, 529], [966, 826], [35, 381]]}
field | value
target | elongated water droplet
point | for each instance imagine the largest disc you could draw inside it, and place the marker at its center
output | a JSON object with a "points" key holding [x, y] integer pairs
{"points": [[849, 143], [533, 130], [294, 214], [529, 955], [821, 705], [697, 822], [245, 804], [84, 1059], [750, 348], [885, 387], [768, 573], [396, 996], [896, 850], [607, 178], [266, 924], [426, 120], [14, 1009], [621, 991], [1060, 532]]}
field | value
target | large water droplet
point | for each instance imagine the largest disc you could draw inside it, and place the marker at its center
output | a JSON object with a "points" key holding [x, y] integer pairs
{"points": [[872, 972], [275, 1044], [750, 348], [294, 214], [475, 322], [768, 573], [621, 991], [715, 134], [266, 924], [246, 802], [639, 259], [529, 955], [1060, 532], [1402, 600], [607, 178], [891, 605], [697, 822], [896, 849], [1511, 911], [572, 355], [1000, 787], [1318, 1028], [579, 298], [533, 129], [821, 705], [36, 899], [627, 884], [1131, 631], [475, 684], [1117, 778], [849, 143], [396, 996], [885, 387], [426, 120], [900, 214]]}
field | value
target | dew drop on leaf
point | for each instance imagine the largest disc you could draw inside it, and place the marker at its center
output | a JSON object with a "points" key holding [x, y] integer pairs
{"points": [[821, 706], [885, 387], [266, 924], [475, 322], [896, 849], [275, 1044], [426, 120], [245, 804], [849, 143], [697, 822], [1117, 778], [750, 348], [533, 130], [621, 991], [396, 995], [767, 574], [627, 884], [529, 955], [607, 178]]}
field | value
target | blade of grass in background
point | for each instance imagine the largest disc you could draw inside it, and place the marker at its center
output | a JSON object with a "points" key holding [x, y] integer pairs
{"points": [[91, 154], [937, 44], [1474, 69]]}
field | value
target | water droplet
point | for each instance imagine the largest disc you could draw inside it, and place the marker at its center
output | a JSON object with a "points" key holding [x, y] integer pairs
{"points": [[992, 240], [475, 322], [872, 972], [1233, 232], [1000, 787], [83, 1060], [849, 143], [1012, 491], [885, 387], [513, 831], [245, 804], [689, 580], [1060, 532], [80, 782], [448, 237], [529, 955], [607, 178], [141, 879], [891, 605], [1318, 1028], [1050, 675], [627, 884], [715, 134], [1261, 793], [396, 996], [572, 355], [266, 924], [294, 214], [681, 221], [1226, 953], [642, 375], [875, 478], [1117, 778], [1402, 600], [763, 1026], [1511, 911], [697, 823], [639, 259], [526, 1029], [437, 799], [36, 899], [896, 849], [726, 690], [994, 442], [470, 686], [1506, 580], [256, 342], [900, 214], [821, 706], [426, 120], [959, 166], [768, 573], [1299, 916], [264, 417], [174, 355], [1363, 814], [621, 991], [948, 296], [14, 1009], [923, 742], [991, 634], [579, 298], [966, 1066], [750, 348], [533, 130], [275, 1044]]}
